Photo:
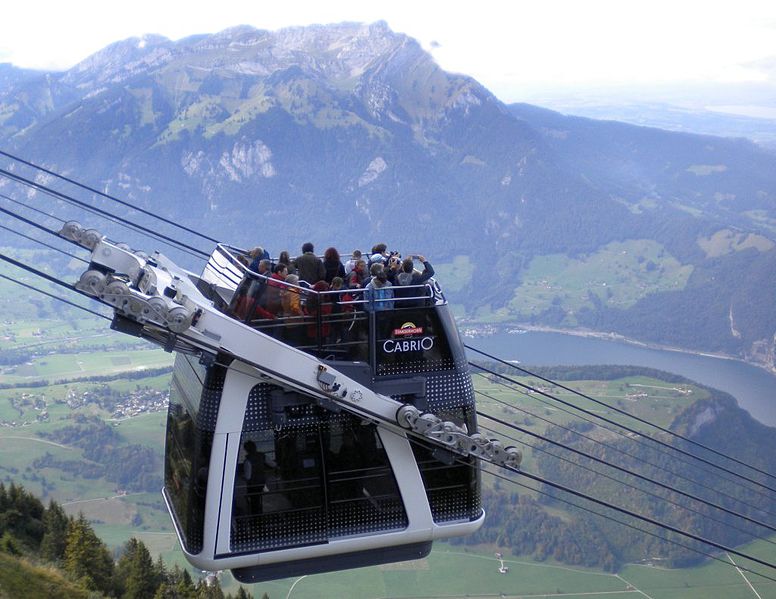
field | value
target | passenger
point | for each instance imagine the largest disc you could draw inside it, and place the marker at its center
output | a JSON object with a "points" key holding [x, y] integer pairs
{"points": [[351, 264], [393, 269], [309, 266], [379, 254], [409, 276], [255, 472], [238, 306], [275, 286], [332, 265], [248, 302], [263, 267], [337, 284], [292, 310], [284, 258], [257, 254], [257, 291], [379, 291], [319, 307], [289, 298], [373, 271], [343, 307], [358, 276]]}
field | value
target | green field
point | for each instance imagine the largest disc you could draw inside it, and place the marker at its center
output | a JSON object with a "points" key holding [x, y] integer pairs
{"points": [[450, 571], [618, 275], [83, 364]]}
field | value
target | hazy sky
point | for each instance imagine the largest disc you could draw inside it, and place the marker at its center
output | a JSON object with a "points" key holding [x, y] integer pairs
{"points": [[507, 45]]}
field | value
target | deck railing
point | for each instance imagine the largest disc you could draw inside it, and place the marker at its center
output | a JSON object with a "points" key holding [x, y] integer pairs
{"points": [[344, 324]]}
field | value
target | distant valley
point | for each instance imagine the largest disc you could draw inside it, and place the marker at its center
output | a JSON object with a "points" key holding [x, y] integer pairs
{"points": [[721, 109]]}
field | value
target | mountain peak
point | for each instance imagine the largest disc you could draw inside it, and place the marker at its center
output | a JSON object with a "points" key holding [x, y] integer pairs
{"points": [[119, 61]]}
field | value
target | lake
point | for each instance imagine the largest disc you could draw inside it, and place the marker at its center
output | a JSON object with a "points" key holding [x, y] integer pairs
{"points": [[753, 388]]}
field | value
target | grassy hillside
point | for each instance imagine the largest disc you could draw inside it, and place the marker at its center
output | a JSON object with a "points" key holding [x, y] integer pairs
{"points": [[21, 578]]}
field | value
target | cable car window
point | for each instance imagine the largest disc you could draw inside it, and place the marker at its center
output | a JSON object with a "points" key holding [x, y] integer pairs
{"points": [[322, 475], [363, 495], [187, 453], [278, 493]]}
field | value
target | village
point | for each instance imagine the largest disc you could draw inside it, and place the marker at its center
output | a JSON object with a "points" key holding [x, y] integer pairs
{"points": [[120, 405]]}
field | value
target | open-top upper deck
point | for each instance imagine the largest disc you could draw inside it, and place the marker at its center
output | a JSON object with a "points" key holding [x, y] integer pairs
{"points": [[407, 329]]}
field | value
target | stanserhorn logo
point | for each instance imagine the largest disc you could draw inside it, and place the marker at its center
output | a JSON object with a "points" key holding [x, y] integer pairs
{"points": [[414, 344], [408, 328]]}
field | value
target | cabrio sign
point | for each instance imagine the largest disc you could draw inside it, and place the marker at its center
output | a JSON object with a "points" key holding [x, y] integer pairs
{"points": [[394, 346]]}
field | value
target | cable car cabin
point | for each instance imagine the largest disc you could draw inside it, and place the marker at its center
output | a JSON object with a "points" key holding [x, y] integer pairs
{"points": [[271, 482]]}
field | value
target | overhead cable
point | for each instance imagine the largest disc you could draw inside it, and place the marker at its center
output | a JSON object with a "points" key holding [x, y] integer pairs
{"points": [[631, 526], [104, 213], [108, 196], [625, 483], [38, 241], [638, 458], [56, 297], [629, 415], [46, 214], [652, 481], [625, 427], [42, 274]]}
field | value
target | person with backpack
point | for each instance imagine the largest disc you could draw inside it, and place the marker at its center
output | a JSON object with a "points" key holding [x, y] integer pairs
{"points": [[379, 291]]}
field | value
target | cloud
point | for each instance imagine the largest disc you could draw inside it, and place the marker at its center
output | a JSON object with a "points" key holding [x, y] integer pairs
{"points": [[766, 67]]}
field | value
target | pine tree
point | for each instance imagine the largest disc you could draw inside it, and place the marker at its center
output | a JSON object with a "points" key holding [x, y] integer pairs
{"points": [[135, 572], [160, 571], [86, 558], [209, 589], [177, 585], [242, 594], [20, 514], [55, 521]]}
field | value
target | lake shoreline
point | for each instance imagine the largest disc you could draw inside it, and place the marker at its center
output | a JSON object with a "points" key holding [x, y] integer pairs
{"points": [[484, 330]]}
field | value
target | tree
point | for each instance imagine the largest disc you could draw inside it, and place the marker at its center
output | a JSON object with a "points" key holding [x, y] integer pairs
{"points": [[209, 588], [135, 572], [177, 585], [55, 521], [20, 515], [86, 557], [8, 544]]}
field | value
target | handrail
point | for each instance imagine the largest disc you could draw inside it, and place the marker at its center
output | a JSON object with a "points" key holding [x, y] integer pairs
{"points": [[432, 284], [330, 325]]}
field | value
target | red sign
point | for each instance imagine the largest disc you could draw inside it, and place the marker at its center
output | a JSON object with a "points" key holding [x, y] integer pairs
{"points": [[408, 328]]}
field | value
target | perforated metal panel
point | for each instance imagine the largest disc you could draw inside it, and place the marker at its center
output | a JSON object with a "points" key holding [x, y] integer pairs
{"points": [[211, 398], [414, 366], [278, 530], [257, 413], [449, 391]]}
